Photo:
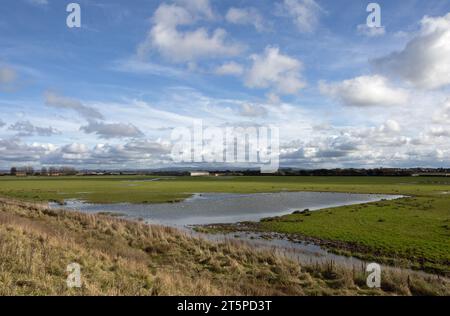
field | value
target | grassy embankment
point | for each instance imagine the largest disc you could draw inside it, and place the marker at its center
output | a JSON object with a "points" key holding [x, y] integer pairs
{"points": [[120, 257], [413, 231]]}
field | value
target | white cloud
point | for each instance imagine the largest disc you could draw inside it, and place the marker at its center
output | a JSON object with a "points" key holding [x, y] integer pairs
{"points": [[16, 152], [440, 132], [112, 130], [276, 71], [25, 128], [201, 7], [139, 154], [185, 46], [363, 29], [75, 148], [246, 16], [390, 126], [54, 100], [443, 114], [305, 14], [425, 61], [230, 68], [365, 91]]}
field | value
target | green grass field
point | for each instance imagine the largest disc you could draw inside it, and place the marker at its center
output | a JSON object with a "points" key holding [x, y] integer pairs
{"points": [[415, 229], [139, 189]]}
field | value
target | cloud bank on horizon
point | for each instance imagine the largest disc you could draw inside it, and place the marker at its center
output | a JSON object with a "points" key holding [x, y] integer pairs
{"points": [[108, 94]]}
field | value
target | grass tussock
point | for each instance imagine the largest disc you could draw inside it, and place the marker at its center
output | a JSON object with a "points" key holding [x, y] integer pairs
{"points": [[120, 257]]}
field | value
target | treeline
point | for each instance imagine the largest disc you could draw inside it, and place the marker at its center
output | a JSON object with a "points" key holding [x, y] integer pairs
{"points": [[51, 171], [391, 172], [350, 172]]}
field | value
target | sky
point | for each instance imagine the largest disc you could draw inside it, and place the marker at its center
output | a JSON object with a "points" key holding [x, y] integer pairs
{"points": [[109, 94]]}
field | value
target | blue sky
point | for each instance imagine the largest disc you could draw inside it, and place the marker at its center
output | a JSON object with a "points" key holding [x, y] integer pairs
{"points": [[108, 93]]}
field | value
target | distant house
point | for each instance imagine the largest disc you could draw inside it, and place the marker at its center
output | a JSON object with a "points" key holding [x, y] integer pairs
{"points": [[199, 174], [21, 174]]}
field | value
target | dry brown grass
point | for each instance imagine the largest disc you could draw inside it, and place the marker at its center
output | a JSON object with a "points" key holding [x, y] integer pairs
{"points": [[120, 257]]}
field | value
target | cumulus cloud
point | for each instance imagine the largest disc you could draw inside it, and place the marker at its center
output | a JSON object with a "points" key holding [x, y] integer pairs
{"points": [[440, 132], [322, 148], [2, 123], [365, 91], [230, 68], [442, 116], [140, 153], [125, 153], [71, 154], [137, 153], [112, 130], [58, 101], [13, 150], [390, 126], [304, 13], [354, 146], [25, 128], [75, 148], [365, 30], [176, 45], [336, 147], [143, 154], [274, 70], [246, 16], [425, 61], [387, 134]]}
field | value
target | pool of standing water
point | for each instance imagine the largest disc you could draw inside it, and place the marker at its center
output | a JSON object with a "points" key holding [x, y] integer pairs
{"points": [[214, 208]]}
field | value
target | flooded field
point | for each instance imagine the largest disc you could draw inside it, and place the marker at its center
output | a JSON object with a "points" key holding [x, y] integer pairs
{"points": [[212, 208]]}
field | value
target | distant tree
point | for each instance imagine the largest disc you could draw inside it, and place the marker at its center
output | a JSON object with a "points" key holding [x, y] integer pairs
{"points": [[68, 171], [52, 171], [44, 171], [13, 171], [29, 170]]}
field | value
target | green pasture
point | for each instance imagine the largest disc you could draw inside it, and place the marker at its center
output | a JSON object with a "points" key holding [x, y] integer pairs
{"points": [[141, 189]]}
